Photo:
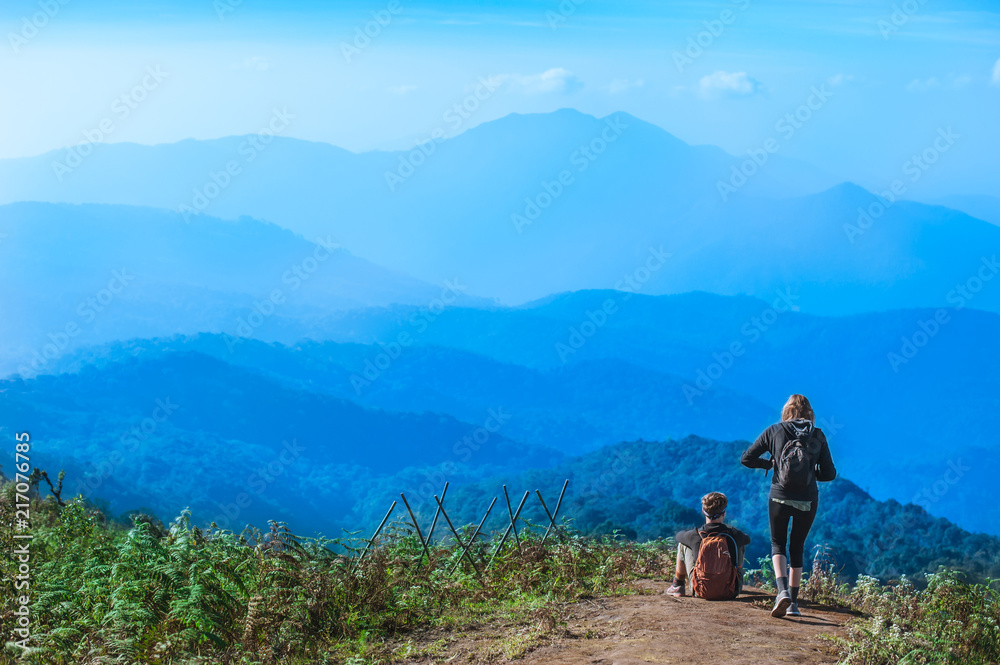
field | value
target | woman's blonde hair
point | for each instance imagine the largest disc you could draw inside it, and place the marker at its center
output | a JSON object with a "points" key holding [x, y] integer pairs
{"points": [[797, 408]]}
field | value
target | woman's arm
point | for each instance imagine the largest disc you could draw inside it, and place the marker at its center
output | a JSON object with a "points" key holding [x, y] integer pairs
{"points": [[825, 470], [752, 457]]}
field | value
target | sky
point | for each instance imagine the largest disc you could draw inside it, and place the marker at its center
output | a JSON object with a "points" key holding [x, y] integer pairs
{"points": [[883, 77]]}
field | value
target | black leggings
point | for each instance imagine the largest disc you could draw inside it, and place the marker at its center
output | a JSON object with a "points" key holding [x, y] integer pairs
{"points": [[779, 515]]}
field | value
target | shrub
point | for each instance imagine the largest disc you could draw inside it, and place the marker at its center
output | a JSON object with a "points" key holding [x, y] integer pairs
{"points": [[950, 621], [109, 592]]}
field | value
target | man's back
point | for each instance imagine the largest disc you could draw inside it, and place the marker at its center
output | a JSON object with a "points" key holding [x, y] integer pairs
{"points": [[712, 553], [693, 537]]}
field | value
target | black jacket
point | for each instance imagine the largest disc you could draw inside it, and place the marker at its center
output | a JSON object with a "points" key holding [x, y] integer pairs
{"points": [[692, 538], [773, 441]]}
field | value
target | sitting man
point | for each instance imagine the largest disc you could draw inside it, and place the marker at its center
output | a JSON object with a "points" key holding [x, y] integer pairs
{"points": [[712, 554]]}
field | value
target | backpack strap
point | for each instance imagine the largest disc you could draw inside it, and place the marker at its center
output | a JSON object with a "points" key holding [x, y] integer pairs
{"points": [[736, 547], [774, 464]]}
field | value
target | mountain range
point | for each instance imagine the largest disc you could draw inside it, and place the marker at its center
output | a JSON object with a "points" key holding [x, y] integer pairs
{"points": [[233, 445], [659, 367], [652, 489], [594, 278], [166, 429], [530, 205], [85, 274], [980, 206]]}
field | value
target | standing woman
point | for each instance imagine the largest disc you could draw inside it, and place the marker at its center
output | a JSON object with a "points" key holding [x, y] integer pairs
{"points": [[799, 457]]}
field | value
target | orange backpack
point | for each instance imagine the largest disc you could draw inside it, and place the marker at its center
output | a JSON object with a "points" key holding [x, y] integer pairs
{"points": [[715, 576]]}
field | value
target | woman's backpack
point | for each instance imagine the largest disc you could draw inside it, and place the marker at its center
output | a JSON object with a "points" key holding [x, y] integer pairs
{"points": [[795, 469], [715, 576]]}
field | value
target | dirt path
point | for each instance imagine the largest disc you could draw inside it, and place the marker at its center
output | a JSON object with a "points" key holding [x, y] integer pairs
{"points": [[661, 629]]}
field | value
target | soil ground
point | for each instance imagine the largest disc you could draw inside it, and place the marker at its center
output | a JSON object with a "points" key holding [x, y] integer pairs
{"points": [[648, 627], [658, 628]]}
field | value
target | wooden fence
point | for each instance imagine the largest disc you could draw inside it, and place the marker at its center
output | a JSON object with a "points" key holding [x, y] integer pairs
{"points": [[440, 511]]}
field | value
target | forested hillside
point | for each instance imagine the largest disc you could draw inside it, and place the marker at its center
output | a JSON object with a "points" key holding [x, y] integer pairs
{"points": [[236, 446], [651, 489], [662, 367]]}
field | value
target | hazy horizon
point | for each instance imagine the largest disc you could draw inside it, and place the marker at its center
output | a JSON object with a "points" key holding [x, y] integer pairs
{"points": [[472, 159], [711, 74]]}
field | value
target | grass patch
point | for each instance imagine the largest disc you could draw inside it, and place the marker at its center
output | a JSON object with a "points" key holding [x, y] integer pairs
{"points": [[145, 593]]}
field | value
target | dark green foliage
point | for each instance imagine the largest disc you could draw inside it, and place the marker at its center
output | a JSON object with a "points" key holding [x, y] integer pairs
{"points": [[106, 592], [653, 489], [235, 446], [109, 592], [950, 622]]}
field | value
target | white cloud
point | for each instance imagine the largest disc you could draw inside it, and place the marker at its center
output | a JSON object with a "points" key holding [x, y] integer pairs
{"points": [[916, 85], [956, 81], [838, 79], [556, 79], [401, 89], [728, 84], [619, 86], [257, 63], [996, 72]]}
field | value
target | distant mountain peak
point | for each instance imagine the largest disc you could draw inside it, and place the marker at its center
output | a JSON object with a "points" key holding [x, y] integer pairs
{"points": [[846, 190], [567, 119]]}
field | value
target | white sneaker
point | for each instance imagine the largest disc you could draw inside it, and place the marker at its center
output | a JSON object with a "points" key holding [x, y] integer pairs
{"points": [[781, 604]]}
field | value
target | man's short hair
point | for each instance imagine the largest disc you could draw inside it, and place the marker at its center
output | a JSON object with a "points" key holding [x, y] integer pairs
{"points": [[714, 504]]}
